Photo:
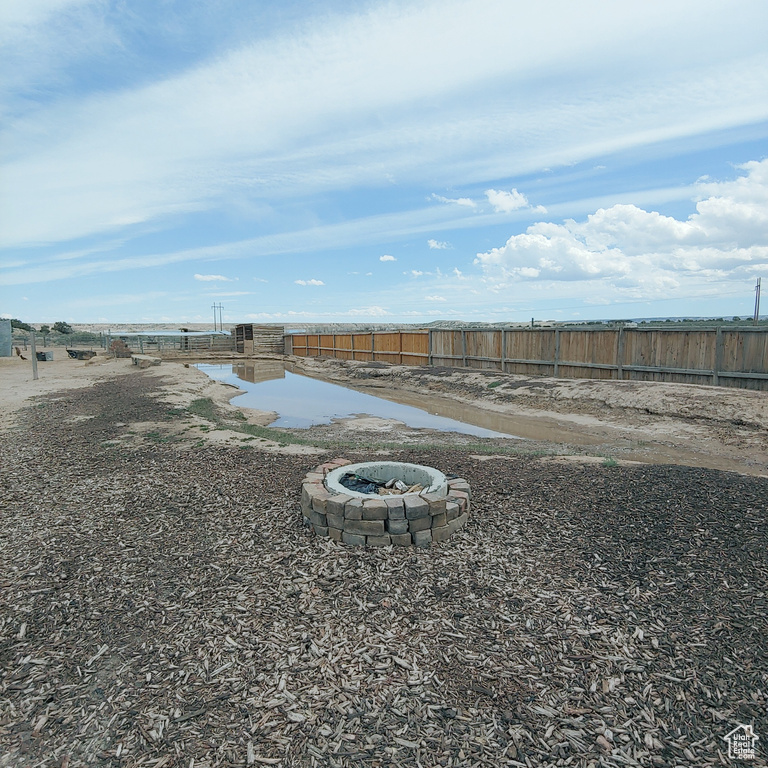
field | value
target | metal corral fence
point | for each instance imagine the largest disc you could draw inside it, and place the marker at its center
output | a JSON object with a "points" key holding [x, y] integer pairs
{"points": [[730, 356], [194, 342]]}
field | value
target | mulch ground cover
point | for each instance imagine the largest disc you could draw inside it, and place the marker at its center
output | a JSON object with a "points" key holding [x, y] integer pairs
{"points": [[164, 606]]}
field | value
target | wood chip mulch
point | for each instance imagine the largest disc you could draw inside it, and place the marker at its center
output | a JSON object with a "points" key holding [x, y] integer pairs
{"points": [[165, 607]]}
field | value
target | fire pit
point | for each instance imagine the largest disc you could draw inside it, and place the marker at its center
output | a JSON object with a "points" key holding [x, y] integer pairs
{"points": [[382, 503]]}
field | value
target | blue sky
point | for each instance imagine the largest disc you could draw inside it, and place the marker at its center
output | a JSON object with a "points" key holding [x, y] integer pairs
{"points": [[323, 161]]}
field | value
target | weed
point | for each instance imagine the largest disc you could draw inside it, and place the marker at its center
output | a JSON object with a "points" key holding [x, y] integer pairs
{"points": [[204, 408], [494, 384], [610, 462]]}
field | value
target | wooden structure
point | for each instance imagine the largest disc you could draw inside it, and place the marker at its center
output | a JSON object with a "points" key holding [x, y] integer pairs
{"points": [[724, 356], [255, 339]]}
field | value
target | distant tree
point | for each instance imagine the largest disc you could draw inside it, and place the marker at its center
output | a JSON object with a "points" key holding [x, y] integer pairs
{"points": [[736, 319], [21, 326], [45, 329], [62, 327]]}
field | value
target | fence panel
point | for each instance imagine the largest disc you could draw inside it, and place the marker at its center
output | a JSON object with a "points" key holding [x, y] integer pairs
{"points": [[446, 348], [530, 353], [744, 352], [363, 343], [387, 347], [687, 355], [415, 348], [483, 349]]}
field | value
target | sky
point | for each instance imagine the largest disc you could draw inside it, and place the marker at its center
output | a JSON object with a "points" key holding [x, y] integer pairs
{"points": [[327, 161]]}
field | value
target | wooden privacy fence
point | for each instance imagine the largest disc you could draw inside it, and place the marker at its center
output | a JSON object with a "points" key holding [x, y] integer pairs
{"points": [[734, 357]]}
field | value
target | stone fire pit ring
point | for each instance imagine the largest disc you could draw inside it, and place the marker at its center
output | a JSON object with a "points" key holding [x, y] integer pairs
{"points": [[368, 519]]}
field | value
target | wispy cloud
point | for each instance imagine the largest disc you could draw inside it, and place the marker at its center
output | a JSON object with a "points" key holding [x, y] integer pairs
{"points": [[213, 278], [465, 201], [313, 281], [387, 257], [436, 245]]}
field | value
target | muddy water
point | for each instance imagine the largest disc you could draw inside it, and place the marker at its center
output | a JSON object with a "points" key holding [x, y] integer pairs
{"points": [[303, 402]]}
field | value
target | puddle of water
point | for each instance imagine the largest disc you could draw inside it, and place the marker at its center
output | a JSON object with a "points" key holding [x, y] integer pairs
{"points": [[303, 402]]}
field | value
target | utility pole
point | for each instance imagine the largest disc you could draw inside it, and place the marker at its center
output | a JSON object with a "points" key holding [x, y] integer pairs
{"points": [[214, 307], [756, 318]]}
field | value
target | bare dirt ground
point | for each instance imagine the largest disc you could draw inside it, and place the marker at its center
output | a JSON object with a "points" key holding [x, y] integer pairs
{"points": [[650, 422], [162, 605], [577, 420]]}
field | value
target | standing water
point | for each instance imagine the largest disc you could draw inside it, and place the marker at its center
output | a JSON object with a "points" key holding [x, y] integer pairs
{"points": [[303, 402]]}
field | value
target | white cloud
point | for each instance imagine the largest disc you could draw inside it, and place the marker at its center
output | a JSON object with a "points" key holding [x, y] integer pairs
{"points": [[435, 298], [436, 245], [631, 248], [465, 201], [506, 202], [373, 311], [387, 257], [309, 282], [213, 278], [414, 273]]}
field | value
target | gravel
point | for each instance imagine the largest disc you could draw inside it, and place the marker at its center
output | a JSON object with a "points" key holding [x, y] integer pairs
{"points": [[162, 606]]}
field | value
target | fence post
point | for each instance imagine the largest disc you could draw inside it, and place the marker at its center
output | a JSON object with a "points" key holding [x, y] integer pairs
{"points": [[503, 350], [373, 354], [718, 356], [34, 357], [429, 347], [557, 352], [464, 348], [620, 355]]}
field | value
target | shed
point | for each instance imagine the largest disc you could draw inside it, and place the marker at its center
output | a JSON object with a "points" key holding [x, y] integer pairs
{"points": [[256, 339]]}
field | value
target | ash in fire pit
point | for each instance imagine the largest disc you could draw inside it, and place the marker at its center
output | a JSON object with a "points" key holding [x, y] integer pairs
{"points": [[383, 502], [386, 478]]}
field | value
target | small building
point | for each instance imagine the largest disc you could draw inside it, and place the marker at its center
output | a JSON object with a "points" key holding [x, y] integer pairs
{"points": [[257, 339]]}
